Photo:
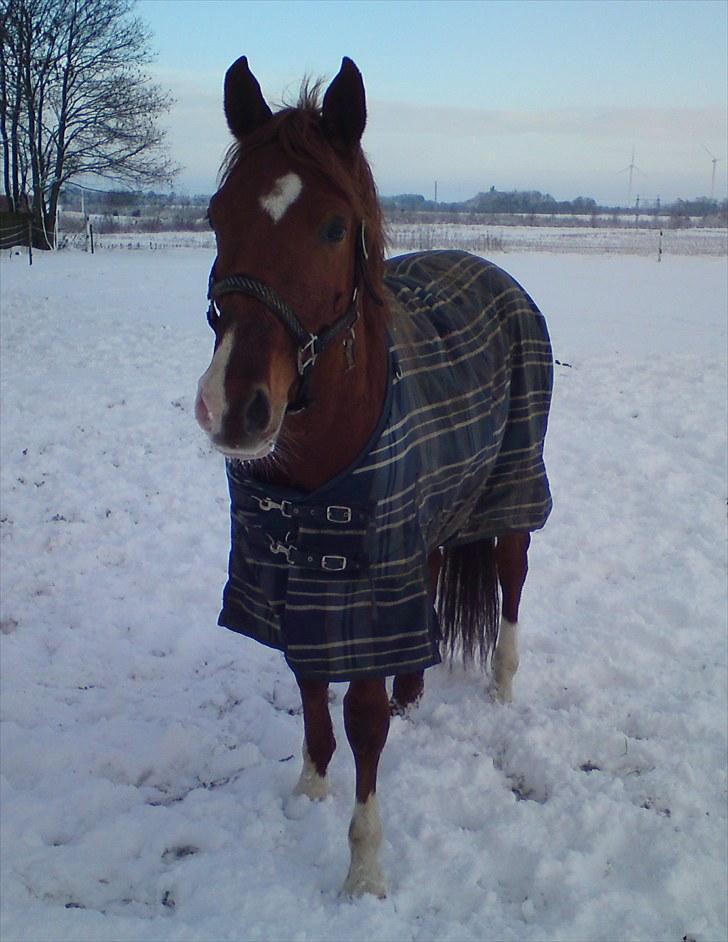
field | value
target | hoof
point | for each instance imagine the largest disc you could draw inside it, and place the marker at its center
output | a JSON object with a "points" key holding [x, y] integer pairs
{"points": [[313, 786], [371, 883], [403, 709], [504, 692]]}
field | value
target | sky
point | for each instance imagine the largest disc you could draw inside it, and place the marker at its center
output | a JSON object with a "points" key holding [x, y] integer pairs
{"points": [[551, 96]]}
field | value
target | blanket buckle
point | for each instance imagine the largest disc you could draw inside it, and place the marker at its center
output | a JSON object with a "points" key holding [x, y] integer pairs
{"points": [[333, 563], [338, 514], [266, 503], [284, 548]]}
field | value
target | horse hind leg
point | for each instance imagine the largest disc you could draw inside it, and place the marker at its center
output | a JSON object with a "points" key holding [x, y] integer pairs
{"points": [[319, 742], [512, 563], [366, 720], [505, 660], [408, 689]]}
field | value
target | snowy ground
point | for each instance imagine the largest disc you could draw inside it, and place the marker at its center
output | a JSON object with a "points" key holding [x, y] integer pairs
{"points": [[409, 237], [148, 756]]}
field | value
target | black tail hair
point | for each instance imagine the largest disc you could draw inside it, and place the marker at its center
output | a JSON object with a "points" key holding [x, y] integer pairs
{"points": [[468, 602]]}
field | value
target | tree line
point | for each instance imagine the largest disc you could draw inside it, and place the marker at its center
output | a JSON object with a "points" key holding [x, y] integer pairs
{"points": [[75, 99], [533, 202]]}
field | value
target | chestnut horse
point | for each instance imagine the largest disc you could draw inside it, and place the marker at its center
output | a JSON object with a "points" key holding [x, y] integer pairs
{"points": [[316, 386]]}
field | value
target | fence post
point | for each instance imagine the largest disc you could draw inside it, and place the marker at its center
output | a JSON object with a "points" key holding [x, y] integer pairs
{"points": [[91, 233], [30, 240]]}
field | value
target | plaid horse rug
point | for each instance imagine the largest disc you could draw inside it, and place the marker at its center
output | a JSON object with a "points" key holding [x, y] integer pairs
{"points": [[338, 579]]}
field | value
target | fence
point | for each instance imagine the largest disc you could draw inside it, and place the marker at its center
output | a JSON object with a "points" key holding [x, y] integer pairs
{"points": [[18, 229], [487, 241], [15, 229], [427, 237]]}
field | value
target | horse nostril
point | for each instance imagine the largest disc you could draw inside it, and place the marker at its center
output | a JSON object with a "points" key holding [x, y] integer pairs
{"points": [[257, 415]]}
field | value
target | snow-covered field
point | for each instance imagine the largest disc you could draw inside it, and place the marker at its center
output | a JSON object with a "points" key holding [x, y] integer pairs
{"points": [[148, 756], [409, 237], [584, 240]]}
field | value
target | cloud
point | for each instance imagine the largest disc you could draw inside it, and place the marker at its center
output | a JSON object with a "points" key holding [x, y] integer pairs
{"points": [[196, 130], [565, 151], [650, 123]]}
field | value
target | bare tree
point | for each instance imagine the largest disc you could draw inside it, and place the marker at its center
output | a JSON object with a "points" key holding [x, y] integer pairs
{"points": [[75, 99]]}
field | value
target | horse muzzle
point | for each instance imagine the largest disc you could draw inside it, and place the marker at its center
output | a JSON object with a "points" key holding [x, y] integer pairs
{"points": [[247, 432]]}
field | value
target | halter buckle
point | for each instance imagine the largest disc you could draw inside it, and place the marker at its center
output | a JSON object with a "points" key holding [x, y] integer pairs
{"points": [[307, 354]]}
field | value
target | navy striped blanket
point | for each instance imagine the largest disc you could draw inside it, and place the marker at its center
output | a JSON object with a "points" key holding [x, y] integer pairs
{"points": [[337, 579]]}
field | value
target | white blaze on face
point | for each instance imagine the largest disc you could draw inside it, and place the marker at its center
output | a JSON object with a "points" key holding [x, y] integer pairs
{"points": [[211, 403], [286, 191]]}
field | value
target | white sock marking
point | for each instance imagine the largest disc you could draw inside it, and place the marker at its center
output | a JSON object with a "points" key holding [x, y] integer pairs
{"points": [[365, 838], [286, 191], [311, 784], [505, 660]]}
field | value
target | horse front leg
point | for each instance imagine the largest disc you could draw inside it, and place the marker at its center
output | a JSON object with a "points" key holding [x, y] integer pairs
{"points": [[366, 720], [319, 742], [512, 562]]}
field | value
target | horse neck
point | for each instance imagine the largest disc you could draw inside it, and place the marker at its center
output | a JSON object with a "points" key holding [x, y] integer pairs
{"points": [[347, 402]]}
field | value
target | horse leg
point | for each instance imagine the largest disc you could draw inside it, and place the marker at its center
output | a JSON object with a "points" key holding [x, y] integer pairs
{"points": [[407, 689], [366, 720], [319, 742], [512, 562], [407, 692]]}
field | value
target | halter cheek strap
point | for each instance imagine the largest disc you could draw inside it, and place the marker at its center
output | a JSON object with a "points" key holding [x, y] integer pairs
{"points": [[310, 345]]}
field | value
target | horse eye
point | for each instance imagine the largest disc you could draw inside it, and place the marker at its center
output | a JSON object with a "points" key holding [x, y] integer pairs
{"points": [[335, 231]]}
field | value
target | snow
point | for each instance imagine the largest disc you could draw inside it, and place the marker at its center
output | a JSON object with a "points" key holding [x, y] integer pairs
{"points": [[646, 240], [149, 757], [488, 239]]}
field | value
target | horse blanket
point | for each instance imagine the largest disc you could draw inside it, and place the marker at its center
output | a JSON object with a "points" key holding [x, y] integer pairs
{"points": [[338, 579]]}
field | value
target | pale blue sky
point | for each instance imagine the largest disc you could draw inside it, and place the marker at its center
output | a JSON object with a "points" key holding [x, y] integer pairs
{"points": [[536, 94]]}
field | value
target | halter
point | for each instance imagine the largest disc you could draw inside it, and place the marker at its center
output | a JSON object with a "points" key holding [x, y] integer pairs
{"points": [[309, 345]]}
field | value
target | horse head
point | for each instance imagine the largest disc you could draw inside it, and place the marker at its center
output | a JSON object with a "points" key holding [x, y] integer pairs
{"points": [[299, 235]]}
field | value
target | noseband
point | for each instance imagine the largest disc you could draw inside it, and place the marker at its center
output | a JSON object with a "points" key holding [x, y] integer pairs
{"points": [[309, 345]]}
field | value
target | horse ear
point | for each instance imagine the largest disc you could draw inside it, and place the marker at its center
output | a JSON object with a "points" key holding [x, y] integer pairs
{"points": [[245, 107], [344, 112]]}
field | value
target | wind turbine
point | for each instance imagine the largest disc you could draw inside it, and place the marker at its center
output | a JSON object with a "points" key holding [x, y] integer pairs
{"points": [[632, 166], [715, 160]]}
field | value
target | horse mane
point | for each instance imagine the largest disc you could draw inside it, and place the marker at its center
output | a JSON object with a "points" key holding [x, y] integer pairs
{"points": [[297, 130]]}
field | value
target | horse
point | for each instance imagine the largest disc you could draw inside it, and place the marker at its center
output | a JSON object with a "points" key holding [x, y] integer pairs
{"points": [[383, 426]]}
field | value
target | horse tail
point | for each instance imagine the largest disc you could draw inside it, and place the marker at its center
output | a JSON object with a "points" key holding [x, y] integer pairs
{"points": [[467, 601]]}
